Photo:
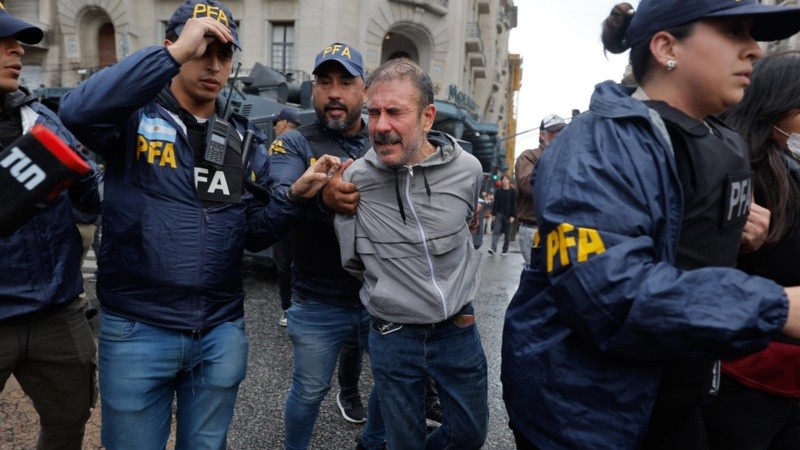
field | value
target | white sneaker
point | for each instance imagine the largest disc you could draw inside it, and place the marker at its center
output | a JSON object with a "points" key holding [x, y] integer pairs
{"points": [[283, 320]]}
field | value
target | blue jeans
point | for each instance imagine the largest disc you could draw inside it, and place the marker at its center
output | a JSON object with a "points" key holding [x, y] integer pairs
{"points": [[317, 331], [451, 354], [142, 367], [525, 239]]}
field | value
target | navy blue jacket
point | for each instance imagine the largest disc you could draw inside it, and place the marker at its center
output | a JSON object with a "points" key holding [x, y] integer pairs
{"points": [[602, 308], [40, 263], [165, 258]]}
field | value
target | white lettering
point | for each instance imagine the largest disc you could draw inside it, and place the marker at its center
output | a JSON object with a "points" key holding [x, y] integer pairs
{"points": [[219, 182], [745, 202], [23, 169], [199, 177], [733, 202], [14, 156]]}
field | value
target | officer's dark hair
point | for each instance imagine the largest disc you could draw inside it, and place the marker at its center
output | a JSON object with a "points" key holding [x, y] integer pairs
{"points": [[613, 37], [400, 68], [773, 94], [171, 36]]}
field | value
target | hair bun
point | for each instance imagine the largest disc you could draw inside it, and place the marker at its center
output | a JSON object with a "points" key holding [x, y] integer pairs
{"points": [[615, 27]]}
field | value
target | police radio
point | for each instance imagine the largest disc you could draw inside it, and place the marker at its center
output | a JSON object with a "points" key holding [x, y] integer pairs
{"points": [[216, 142], [217, 132]]}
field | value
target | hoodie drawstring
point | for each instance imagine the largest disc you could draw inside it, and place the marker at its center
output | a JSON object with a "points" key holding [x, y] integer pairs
{"points": [[425, 180], [397, 193]]}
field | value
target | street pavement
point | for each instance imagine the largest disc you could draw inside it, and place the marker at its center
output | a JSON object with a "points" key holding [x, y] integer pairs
{"points": [[258, 419]]}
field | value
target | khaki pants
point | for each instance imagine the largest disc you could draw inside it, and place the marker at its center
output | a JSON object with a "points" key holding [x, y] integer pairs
{"points": [[53, 360], [87, 237]]}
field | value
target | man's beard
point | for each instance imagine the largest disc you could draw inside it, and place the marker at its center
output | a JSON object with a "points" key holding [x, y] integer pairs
{"points": [[410, 150], [338, 124]]}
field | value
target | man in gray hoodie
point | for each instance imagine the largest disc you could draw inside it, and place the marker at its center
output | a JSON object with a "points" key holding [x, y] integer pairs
{"points": [[410, 243]]}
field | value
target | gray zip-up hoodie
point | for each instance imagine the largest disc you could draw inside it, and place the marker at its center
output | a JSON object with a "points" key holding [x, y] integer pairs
{"points": [[409, 241]]}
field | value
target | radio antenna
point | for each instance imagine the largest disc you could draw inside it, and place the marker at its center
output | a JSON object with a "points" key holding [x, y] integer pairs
{"points": [[231, 84]]}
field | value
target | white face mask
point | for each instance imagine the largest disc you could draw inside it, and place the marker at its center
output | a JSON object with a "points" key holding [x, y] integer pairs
{"points": [[792, 141]]}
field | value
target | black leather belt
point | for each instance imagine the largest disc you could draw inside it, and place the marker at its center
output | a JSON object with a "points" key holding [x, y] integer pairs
{"points": [[386, 325]]}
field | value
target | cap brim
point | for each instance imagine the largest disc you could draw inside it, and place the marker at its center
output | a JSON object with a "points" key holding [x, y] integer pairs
{"points": [[348, 66], [178, 30], [22, 31], [771, 22]]}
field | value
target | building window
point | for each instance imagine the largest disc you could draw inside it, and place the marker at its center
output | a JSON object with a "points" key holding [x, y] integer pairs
{"points": [[283, 46]]}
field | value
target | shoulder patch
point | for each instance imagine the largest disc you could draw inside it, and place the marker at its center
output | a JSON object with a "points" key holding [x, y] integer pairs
{"points": [[156, 129], [276, 147]]}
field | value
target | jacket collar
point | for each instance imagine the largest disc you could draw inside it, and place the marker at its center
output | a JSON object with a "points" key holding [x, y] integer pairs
{"points": [[689, 125], [614, 100], [16, 99]]}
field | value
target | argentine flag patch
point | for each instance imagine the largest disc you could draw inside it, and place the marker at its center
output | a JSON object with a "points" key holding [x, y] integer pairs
{"points": [[156, 129]]}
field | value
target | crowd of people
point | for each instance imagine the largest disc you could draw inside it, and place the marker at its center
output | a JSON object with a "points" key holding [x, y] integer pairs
{"points": [[659, 300]]}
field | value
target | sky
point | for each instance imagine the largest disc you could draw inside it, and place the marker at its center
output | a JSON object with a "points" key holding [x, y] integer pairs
{"points": [[562, 59]]}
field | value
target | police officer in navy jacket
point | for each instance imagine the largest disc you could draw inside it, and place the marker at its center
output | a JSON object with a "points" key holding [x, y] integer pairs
{"points": [[181, 204]]}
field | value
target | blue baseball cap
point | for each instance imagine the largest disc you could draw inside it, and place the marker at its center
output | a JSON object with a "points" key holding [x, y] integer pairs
{"points": [[345, 55], [191, 9], [288, 115], [20, 30], [771, 22]]}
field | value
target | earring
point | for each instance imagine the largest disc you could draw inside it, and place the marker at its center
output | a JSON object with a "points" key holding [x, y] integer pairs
{"points": [[672, 64]]}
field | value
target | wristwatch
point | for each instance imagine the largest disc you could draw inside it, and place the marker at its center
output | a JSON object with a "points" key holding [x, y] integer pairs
{"points": [[296, 199]]}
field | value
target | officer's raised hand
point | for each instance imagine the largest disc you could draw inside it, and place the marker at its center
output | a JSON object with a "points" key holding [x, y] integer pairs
{"points": [[196, 35], [314, 178]]}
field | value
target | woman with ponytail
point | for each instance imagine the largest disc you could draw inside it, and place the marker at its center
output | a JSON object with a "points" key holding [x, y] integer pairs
{"points": [[644, 203]]}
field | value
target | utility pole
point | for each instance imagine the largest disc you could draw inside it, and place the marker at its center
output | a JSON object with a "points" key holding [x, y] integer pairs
{"points": [[497, 158]]}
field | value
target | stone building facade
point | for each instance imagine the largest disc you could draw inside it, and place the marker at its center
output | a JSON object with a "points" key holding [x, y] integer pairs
{"points": [[462, 44]]}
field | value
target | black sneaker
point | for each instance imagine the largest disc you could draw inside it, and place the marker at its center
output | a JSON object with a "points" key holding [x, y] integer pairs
{"points": [[360, 446], [491, 252], [352, 409], [433, 416]]}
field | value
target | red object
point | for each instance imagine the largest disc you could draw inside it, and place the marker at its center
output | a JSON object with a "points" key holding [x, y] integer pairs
{"points": [[775, 370], [60, 150]]}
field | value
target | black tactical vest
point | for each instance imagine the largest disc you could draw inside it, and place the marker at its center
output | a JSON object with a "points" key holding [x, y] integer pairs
{"points": [[315, 249], [716, 180]]}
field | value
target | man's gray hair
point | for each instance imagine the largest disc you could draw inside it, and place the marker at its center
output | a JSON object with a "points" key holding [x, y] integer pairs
{"points": [[401, 68]]}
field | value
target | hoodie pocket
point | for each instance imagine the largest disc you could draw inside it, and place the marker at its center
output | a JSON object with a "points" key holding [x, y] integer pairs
{"points": [[388, 250], [444, 244]]}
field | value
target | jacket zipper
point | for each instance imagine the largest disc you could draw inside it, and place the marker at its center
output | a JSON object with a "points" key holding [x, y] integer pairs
{"points": [[203, 226], [428, 257]]}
